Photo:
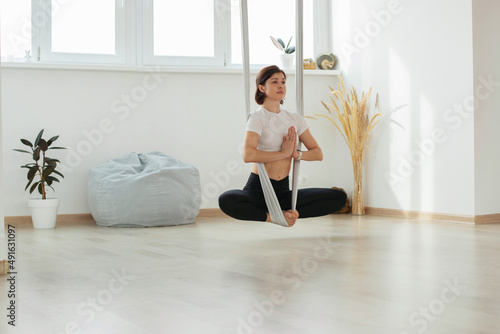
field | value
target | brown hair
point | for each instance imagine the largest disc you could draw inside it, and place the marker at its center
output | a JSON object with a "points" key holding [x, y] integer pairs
{"points": [[261, 79]]}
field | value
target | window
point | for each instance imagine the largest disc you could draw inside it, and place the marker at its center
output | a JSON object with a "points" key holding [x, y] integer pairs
{"points": [[156, 32], [16, 29], [192, 23], [270, 18], [82, 31], [71, 32], [183, 32]]}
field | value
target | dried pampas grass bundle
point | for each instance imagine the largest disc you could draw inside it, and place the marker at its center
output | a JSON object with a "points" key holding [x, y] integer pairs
{"points": [[350, 117]]}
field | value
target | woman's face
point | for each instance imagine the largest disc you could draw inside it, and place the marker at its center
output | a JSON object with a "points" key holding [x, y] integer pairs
{"points": [[275, 87]]}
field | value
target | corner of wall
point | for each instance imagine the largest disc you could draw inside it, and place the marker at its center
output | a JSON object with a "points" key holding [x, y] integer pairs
{"points": [[486, 78]]}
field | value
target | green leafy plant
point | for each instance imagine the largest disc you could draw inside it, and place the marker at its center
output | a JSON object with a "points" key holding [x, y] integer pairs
{"points": [[281, 45], [43, 166]]}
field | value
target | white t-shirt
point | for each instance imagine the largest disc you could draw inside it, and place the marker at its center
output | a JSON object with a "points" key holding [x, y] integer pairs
{"points": [[272, 127]]}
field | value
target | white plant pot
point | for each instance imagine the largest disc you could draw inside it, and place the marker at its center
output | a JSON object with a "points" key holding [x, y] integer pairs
{"points": [[287, 60], [43, 212]]}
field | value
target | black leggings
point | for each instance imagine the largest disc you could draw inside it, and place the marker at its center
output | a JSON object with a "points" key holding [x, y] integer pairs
{"points": [[249, 203]]}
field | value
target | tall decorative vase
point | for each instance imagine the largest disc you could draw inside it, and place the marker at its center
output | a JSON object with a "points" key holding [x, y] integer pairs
{"points": [[354, 125], [358, 207]]}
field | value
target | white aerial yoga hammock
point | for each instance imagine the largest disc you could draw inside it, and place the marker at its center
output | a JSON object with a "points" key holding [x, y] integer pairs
{"points": [[272, 202]]}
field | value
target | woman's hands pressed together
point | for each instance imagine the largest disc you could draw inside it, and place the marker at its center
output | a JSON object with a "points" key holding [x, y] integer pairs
{"points": [[289, 146]]}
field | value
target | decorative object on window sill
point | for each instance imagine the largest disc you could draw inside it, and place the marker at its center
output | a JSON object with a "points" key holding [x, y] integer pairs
{"points": [[355, 126], [44, 210], [309, 64], [326, 61], [287, 56], [27, 56]]}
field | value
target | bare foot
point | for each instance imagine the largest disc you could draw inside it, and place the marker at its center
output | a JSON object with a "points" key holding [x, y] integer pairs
{"points": [[290, 216]]}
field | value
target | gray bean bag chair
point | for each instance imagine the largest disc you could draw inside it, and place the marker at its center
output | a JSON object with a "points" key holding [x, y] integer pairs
{"points": [[142, 190]]}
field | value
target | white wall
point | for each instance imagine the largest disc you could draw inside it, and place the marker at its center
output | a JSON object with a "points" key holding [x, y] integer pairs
{"points": [[197, 118], [487, 116], [428, 153], [417, 55]]}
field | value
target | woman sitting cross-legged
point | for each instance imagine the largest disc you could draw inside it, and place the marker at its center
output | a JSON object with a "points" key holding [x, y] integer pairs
{"points": [[271, 138]]}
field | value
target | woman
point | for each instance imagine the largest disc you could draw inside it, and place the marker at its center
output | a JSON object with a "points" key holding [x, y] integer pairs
{"points": [[271, 138]]}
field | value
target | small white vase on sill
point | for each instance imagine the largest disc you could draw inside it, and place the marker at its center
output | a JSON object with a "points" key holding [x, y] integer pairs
{"points": [[287, 60], [43, 212]]}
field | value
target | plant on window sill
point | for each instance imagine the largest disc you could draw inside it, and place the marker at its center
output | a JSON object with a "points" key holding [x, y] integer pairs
{"points": [[281, 45]]}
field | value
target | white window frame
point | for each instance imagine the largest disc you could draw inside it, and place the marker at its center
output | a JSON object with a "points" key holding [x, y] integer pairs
{"points": [[43, 42], [145, 45], [322, 27], [134, 37]]}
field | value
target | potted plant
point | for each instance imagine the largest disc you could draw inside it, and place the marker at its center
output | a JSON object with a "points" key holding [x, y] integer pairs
{"points": [[40, 176], [287, 56]]}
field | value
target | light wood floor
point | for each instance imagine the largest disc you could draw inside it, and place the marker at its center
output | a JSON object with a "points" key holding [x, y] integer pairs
{"points": [[337, 274]]}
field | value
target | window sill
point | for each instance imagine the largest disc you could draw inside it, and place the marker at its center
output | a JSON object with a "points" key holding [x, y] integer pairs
{"points": [[159, 69]]}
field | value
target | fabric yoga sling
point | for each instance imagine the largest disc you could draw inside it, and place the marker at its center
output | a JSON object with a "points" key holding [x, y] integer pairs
{"points": [[272, 202]]}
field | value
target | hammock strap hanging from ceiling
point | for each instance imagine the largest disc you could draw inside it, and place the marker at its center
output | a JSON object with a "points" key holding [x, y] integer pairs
{"points": [[273, 205]]}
